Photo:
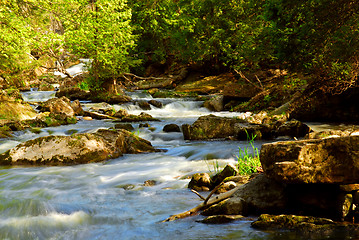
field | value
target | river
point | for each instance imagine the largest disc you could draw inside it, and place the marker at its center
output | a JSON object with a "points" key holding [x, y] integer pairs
{"points": [[109, 200]]}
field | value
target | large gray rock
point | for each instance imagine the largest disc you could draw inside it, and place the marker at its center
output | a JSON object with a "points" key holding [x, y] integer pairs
{"points": [[331, 160], [58, 106], [213, 127], [260, 195], [75, 149], [215, 103]]}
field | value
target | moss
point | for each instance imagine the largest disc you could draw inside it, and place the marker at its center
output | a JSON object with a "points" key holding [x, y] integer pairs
{"points": [[5, 158]]}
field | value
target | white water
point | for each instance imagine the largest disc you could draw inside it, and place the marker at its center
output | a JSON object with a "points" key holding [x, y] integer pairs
{"points": [[108, 200]]}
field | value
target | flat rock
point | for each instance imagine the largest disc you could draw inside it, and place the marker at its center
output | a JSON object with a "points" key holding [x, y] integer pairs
{"points": [[331, 160], [75, 149]]}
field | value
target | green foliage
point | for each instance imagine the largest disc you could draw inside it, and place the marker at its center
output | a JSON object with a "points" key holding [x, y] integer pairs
{"points": [[100, 30], [84, 85], [213, 167], [319, 36], [248, 158]]}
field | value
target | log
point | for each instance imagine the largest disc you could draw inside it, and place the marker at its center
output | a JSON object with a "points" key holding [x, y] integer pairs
{"points": [[203, 205]]}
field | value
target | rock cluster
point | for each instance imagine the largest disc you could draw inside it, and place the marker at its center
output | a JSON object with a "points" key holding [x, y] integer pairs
{"points": [[317, 177]]}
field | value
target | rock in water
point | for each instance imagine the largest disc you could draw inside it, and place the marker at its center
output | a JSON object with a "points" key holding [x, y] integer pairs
{"points": [[75, 149], [330, 160]]}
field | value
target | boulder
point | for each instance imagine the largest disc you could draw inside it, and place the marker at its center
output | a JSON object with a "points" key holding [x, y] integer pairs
{"points": [[155, 103], [330, 160], [260, 195], [58, 106], [215, 104], [75, 149], [143, 105], [76, 106], [121, 113], [228, 171], [200, 182], [230, 206], [73, 93], [126, 126], [293, 128], [213, 127], [171, 128]]}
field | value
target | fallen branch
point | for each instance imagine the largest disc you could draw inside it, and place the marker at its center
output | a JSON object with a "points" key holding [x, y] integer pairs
{"points": [[212, 192], [249, 81], [199, 195], [144, 78], [203, 205]]}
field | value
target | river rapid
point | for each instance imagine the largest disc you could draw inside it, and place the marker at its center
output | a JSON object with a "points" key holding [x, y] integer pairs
{"points": [[109, 200]]}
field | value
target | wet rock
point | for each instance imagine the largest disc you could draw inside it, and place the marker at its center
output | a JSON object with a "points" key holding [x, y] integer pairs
{"points": [[76, 106], [144, 125], [308, 227], [263, 195], [228, 171], [121, 113], [200, 182], [230, 206], [213, 127], [293, 128], [330, 160], [225, 187], [150, 183], [143, 117], [155, 103], [215, 104], [171, 128], [73, 93], [327, 134], [58, 106], [75, 149], [126, 126], [143, 105], [324, 200], [110, 98], [95, 115], [220, 219], [267, 221]]}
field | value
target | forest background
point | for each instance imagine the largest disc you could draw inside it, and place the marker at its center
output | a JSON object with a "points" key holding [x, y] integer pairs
{"points": [[313, 37]]}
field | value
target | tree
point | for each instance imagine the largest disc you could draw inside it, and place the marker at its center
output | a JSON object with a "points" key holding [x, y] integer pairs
{"points": [[14, 38], [99, 30]]}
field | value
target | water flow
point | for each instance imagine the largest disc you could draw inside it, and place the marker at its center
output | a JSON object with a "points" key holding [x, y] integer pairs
{"points": [[109, 200]]}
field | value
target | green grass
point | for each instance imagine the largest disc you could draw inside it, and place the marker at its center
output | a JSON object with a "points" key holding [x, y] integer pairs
{"points": [[248, 157]]}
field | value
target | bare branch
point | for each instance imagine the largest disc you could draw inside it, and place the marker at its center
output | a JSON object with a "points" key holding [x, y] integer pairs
{"points": [[249, 81], [197, 193]]}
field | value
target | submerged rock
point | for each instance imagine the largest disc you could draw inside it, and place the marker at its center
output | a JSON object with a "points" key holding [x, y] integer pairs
{"points": [[330, 160], [267, 221], [75, 149], [219, 219], [171, 128]]}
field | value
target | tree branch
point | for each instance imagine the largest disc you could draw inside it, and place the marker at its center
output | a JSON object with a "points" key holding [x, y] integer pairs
{"points": [[201, 206], [249, 81]]}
